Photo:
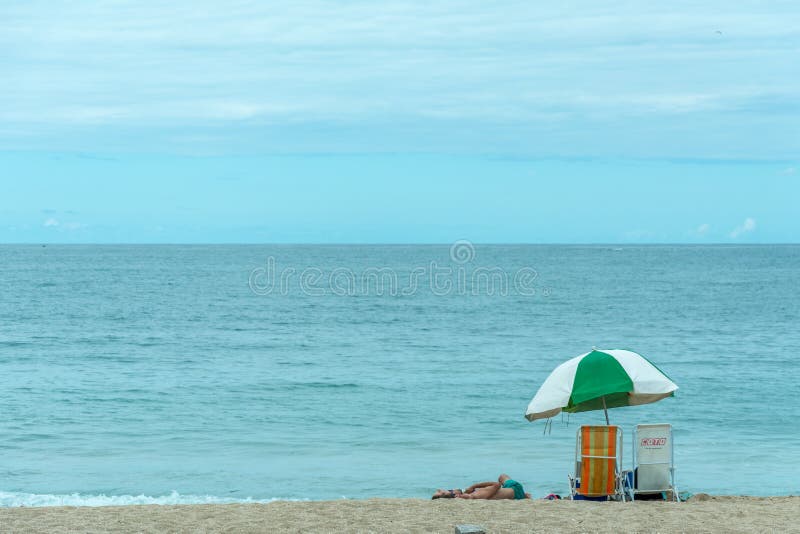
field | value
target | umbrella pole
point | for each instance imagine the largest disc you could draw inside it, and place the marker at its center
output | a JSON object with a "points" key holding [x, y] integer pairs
{"points": [[605, 409]]}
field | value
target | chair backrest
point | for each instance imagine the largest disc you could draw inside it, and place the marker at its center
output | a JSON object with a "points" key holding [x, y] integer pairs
{"points": [[653, 457], [598, 451]]}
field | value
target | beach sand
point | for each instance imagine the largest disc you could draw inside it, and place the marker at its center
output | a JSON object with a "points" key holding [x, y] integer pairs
{"points": [[701, 514]]}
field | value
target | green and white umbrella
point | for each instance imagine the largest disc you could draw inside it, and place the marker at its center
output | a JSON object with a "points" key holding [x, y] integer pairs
{"points": [[600, 379]]}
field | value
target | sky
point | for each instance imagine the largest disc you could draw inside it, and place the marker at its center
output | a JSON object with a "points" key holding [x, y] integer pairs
{"points": [[408, 122]]}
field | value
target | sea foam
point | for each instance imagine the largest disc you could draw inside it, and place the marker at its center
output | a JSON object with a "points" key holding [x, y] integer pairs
{"points": [[15, 499]]}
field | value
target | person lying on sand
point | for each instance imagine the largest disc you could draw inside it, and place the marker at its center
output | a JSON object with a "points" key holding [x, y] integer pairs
{"points": [[504, 488]]}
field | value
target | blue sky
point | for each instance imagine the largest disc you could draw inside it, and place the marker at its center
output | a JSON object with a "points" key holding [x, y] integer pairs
{"points": [[399, 122]]}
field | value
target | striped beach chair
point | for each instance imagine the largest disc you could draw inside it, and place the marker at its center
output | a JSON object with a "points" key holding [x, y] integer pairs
{"points": [[598, 457]]}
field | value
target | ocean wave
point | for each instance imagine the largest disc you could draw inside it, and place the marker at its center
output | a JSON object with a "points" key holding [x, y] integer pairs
{"points": [[16, 500]]}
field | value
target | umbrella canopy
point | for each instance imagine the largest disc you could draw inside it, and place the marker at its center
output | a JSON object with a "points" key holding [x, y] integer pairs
{"points": [[598, 380]]}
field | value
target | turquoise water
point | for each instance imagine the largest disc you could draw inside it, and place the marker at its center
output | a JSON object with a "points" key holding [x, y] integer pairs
{"points": [[183, 374]]}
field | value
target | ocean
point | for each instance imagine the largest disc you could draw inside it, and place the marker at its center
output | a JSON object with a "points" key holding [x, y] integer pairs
{"points": [[171, 373]]}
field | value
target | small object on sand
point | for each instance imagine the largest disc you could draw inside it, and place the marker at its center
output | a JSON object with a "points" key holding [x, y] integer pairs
{"points": [[470, 529]]}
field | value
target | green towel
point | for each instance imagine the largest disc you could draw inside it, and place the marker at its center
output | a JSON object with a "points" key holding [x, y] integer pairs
{"points": [[519, 493]]}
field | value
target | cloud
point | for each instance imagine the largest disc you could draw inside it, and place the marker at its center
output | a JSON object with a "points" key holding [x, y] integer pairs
{"points": [[116, 72], [63, 227], [702, 229], [788, 171], [746, 227]]}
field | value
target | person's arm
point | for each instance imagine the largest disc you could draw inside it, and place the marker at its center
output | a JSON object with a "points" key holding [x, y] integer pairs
{"points": [[492, 490], [488, 490], [480, 485]]}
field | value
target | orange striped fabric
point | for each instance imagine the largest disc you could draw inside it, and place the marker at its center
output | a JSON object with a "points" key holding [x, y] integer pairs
{"points": [[598, 460]]}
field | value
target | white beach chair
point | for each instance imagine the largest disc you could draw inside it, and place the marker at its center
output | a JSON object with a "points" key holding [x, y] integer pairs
{"points": [[653, 461]]}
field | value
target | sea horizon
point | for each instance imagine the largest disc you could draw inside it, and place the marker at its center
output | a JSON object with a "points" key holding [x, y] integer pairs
{"points": [[401, 244]]}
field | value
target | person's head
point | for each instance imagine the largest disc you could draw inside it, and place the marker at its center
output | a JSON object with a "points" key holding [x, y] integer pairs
{"points": [[502, 478]]}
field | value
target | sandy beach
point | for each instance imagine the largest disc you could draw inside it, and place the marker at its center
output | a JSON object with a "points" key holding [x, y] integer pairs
{"points": [[701, 514]]}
